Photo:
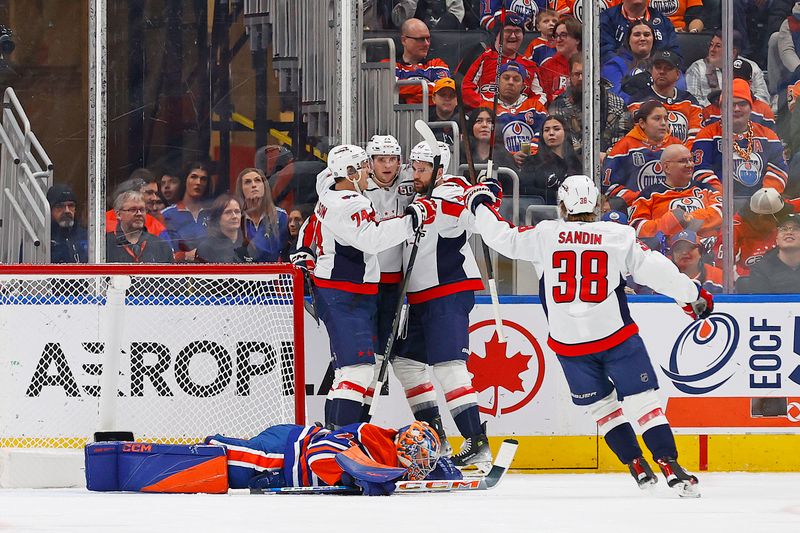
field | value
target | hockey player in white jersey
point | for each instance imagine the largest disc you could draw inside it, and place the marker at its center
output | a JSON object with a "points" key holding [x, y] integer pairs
{"points": [[390, 194], [346, 274], [582, 265], [441, 295]]}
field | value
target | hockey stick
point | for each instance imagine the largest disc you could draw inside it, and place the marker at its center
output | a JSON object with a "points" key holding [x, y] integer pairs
{"points": [[402, 306], [508, 449], [487, 258], [310, 307]]}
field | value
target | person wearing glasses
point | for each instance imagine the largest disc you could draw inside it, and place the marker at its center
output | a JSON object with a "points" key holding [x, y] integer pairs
{"points": [[779, 269], [130, 242], [554, 70], [676, 204], [479, 81], [414, 63]]}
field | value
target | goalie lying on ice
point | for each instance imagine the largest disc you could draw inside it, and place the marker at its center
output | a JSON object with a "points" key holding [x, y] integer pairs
{"points": [[362, 455]]}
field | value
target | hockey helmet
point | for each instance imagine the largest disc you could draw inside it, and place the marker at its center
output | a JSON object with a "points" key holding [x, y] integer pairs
{"points": [[345, 160], [383, 145], [422, 152], [418, 448], [578, 193]]}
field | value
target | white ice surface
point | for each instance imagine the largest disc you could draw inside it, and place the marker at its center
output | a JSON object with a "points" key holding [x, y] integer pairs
{"points": [[731, 503]]}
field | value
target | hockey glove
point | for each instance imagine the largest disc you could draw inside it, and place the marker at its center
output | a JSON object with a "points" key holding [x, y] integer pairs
{"points": [[385, 488], [444, 469], [700, 308], [422, 211], [303, 258], [477, 195], [493, 183]]}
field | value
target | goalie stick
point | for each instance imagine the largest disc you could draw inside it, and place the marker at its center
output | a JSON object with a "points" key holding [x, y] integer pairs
{"points": [[430, 140], [508, 449]]}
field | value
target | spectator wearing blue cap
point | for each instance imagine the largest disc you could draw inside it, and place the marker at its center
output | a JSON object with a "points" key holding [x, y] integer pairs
{"points": [[518, 116], [685, 252], [69, 242]]}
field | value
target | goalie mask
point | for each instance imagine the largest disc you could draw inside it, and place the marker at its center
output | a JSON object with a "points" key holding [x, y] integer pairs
{"points": [[422, 152], [418, 449], [345, 161], [578, 194]]}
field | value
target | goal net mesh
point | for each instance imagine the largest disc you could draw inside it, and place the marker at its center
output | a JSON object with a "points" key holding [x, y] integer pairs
{"points": [[198, 354]]}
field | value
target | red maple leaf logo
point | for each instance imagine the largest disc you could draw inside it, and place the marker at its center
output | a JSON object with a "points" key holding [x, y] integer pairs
{"points": [[496, 370]]}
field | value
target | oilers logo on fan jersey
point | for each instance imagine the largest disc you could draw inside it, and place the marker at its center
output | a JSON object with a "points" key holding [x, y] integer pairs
{"points": [[515, 133], [748, 173], [666, 7], [679, 124], [577, 8], [687, 203], [650, 173]]}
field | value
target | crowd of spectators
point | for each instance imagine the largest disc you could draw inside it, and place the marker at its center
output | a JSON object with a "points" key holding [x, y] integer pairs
{"points": [[660, 138], [660, 112], [175, 216]]}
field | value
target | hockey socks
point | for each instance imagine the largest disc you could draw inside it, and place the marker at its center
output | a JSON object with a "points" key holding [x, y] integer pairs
{"points": [[660, 442], [622, 441], [343, 412], [468, 421]]}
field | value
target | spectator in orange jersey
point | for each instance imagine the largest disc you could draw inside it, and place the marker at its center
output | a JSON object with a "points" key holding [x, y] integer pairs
{"points": [[684, 250], [479, 81], [518, 116], [634, 163], [677, 204], [414, 63], [758, 153], [544, 45], [685, 15], [754, 229], [761, 112], [554, 71], [685, 115]]}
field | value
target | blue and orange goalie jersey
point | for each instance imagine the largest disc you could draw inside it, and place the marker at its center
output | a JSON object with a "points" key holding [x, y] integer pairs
{"points": [[757, 163], [684, 113], [305, 455], [519, 122], [653, 210], [633, 164]]}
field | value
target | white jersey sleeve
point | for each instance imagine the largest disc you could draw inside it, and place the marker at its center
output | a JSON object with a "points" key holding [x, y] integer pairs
{"points": [[351, 218], [582, 269]]}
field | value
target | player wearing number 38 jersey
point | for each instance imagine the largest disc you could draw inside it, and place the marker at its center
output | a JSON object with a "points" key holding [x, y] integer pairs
{"points": [[582, 265]]}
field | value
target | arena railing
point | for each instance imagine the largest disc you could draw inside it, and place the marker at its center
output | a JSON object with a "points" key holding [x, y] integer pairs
{"points": [[26, 172]]}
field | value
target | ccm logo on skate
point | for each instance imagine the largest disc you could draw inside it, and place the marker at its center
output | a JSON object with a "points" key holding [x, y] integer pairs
{"points": [[516, 366], [152, 366], [701, 353]]}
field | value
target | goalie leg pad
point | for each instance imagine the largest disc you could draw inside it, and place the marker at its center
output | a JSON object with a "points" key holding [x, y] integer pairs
{"points": [[416, 381], [147, 467]]}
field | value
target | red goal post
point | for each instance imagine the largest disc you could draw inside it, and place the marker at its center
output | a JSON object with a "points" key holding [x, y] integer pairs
{"points": [[190, 350]]}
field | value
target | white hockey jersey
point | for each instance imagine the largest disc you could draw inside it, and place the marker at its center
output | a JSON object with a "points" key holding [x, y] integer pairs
{"points": [[390, 202], [444, 264], [348, 239], [582, 269]]}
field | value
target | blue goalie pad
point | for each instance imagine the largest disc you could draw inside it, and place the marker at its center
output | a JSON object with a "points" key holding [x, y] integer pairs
{"points": [[147, 467]]}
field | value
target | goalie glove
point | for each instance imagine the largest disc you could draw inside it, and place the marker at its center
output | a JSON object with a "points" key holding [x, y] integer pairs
{"points": [[700, 308], [303, 258], [369, 488], [422, 211]]}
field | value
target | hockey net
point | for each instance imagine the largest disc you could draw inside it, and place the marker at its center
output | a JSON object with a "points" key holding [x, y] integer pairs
{"points": [[199, 350]]}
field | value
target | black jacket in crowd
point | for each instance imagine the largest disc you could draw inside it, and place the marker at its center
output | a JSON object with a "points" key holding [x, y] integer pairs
{"points": [[543, 173], [149, 249], [68, 245], [771, 276]]}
